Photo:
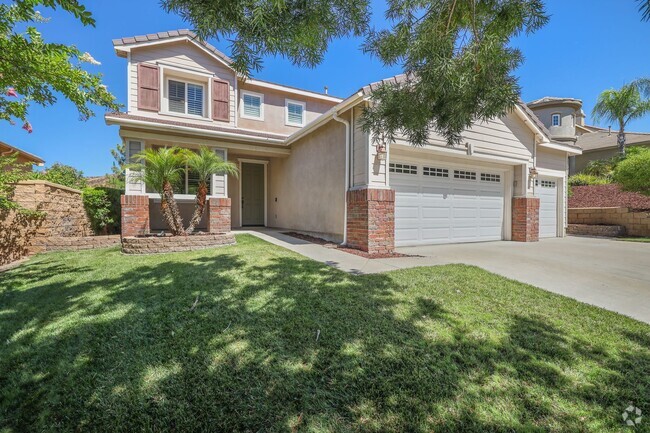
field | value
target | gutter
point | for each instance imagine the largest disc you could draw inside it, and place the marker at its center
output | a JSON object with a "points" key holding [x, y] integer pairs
{"points": [[336, 117]]}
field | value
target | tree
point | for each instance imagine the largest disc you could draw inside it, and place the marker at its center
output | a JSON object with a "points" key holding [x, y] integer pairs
{"points": [[11, 172], [623, 105], [455, 54], [119, 165], [62, 174], [204, 164], [161, 169], [34, 71], [644, 8]]}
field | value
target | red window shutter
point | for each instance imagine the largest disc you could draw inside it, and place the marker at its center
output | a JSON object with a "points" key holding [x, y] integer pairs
{"points": [[148, 87], [220, 100]]}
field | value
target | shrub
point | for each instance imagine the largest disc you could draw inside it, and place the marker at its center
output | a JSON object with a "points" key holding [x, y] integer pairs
{"points": [[582, 179], [633, 173], [601, 167], [102, 206]]}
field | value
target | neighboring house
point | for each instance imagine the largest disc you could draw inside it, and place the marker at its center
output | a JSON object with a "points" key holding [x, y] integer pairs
{"points": [[306, 164], [23, 157], [565, 120]]}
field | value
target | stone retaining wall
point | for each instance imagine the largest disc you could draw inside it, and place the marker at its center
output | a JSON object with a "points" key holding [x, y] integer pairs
{"points": [[168, 244], [63, 216], [78, 243], [636, 223], [595, 230]]}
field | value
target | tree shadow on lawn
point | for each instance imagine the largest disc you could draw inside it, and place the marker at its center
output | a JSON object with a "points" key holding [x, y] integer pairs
{"points": [[283, 343]]}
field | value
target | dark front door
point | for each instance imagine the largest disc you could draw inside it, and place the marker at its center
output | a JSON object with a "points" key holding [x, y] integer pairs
{"points": [[252, 194]]}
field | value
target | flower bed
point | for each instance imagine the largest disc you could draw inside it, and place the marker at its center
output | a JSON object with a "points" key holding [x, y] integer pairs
{"points": [[154, 244], [606, 196]]}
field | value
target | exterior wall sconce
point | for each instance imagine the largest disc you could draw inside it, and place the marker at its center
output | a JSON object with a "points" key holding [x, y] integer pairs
{"points": [[532, 172], [470, 148]]}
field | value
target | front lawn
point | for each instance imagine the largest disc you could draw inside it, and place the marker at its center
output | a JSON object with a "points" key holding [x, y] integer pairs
{"points": [[634, 239], [252, 338]]}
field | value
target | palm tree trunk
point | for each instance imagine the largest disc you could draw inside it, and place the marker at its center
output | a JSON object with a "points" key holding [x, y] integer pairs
{"points": [[620, 140], [199, 207], [169, 209]]}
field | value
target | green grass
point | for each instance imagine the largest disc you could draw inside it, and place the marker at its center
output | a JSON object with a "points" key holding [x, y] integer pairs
{"points": [[633, 239], [99, 341]]}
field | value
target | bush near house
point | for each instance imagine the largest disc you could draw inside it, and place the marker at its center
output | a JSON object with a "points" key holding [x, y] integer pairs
{"points": [[102, 206], [633, 173], [63, 175], [582, 179]]}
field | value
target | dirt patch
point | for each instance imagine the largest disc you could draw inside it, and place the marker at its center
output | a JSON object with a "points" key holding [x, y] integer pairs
{"points": [[607, 196], [329, 244]]}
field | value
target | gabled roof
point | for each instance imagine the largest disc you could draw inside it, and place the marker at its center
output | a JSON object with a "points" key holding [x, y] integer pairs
{"points": [[6, 149], [172, 35], [606, 140]]}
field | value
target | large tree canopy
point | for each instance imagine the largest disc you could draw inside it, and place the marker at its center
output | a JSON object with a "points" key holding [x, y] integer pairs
{"points": [[456, 54], [34, 71]]}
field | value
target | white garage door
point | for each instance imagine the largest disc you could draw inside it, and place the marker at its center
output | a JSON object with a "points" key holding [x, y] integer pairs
{"points": [[546, 190], [435, 204]]}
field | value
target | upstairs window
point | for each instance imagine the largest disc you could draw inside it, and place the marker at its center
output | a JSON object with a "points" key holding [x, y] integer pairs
{"points": [[295, 113], [252, 106], [555, 119], [185, 98]]}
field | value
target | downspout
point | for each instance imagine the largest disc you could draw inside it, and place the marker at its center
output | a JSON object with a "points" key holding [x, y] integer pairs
{"points": [[347, 174]]}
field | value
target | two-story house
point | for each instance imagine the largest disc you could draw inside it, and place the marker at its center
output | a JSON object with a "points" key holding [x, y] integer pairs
{"points": [[565, 121], [307, 165]]}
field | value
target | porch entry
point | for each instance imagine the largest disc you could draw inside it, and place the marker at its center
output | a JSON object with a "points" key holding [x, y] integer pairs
{"points": [[252, 193]]}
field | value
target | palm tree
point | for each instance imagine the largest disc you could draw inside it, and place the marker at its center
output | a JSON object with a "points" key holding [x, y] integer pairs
{"points": [[161, 169], [204, 164], [623, 105]]}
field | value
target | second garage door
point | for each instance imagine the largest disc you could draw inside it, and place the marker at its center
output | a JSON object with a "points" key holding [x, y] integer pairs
{"points": [[437, 204], [546, 190]]}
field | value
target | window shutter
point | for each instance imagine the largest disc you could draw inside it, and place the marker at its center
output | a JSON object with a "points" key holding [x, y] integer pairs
{"points": [[148, 87], [220, 100]]}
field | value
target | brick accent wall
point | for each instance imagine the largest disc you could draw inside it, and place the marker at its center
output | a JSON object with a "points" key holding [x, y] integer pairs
{"points": [[371, 220], [636, 223], [525, 219], [219, 215], [135, 215]]}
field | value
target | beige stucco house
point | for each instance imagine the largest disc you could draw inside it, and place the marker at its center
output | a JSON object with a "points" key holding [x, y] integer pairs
{"points": [[565, 121], [306, 164]]}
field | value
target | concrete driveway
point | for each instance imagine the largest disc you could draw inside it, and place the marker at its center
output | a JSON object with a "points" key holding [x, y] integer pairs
{"points": [[608, 273]]}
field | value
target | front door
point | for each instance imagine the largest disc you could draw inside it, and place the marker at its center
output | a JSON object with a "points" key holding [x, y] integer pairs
{"points": [[252, 194]]}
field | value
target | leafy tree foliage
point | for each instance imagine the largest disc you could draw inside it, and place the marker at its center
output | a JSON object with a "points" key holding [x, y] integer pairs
{"points": [[62, 174], [11, 172], [297, 29], [33, 71], [455, 54], [623, 105], [644, 8], [119, 166], [99, 209]]}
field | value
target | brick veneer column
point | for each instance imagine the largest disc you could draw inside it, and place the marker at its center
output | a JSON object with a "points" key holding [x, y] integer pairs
{"points": [[135, 215], [219, 215], [371, 220], [525, 219]]}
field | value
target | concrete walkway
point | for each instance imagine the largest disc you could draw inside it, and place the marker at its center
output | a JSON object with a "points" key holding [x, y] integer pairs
{"points": [[608, 273]]}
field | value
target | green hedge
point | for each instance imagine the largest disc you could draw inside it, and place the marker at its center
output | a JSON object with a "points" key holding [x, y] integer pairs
{"points": [[582, 179], [102, 205], [633, 173]]}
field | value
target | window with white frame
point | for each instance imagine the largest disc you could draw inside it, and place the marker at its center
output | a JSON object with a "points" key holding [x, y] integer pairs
{"points": [[252, 105], [490, 177], [464, 174], [294, 113], [435, 172], [186, 98], [402, 168], [555, 119]]}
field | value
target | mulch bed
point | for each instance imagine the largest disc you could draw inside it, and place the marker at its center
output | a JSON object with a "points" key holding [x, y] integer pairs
{"points": [[607, 196], [329, 244]]}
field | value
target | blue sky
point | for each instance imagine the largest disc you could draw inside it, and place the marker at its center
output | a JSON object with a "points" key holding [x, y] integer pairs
{"points": [[588, 46]]}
